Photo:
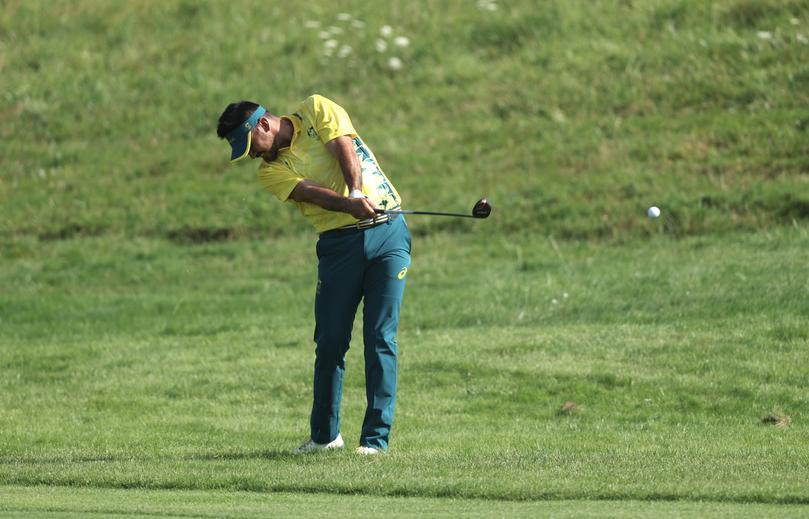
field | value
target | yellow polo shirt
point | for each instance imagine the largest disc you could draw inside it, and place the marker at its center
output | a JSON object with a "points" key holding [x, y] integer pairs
{"points": [[317, 121]]}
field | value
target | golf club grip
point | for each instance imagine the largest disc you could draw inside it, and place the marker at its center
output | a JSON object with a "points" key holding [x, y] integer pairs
{"points": [[388, 211]]}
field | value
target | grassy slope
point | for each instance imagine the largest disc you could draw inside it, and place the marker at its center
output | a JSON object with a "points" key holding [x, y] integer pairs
{"points": [[576, 115]]}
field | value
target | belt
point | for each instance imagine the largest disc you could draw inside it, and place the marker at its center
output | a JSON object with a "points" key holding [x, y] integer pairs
{"points": [[367, 224], [360, 225]]}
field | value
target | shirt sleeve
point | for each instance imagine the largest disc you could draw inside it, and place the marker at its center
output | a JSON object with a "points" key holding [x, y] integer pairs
{"points": [[278, 180], [330, 119]]}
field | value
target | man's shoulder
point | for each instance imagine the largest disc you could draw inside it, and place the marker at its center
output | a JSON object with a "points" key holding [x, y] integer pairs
{"points": [[317, 99], [316, 103]]}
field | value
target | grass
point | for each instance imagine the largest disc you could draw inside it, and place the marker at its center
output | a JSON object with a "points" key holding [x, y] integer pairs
{"points": [[577, 115], [78, 502], [110, 380], [156, 305]]}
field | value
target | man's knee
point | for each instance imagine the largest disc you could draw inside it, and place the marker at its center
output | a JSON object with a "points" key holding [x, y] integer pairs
{"points": [[331, 346]]}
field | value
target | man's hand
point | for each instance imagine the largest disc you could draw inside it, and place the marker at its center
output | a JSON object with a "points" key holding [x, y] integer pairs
{"points": [[361, 208]]}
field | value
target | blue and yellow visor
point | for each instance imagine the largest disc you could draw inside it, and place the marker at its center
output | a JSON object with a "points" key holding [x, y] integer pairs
{"points": [[239, 138]]}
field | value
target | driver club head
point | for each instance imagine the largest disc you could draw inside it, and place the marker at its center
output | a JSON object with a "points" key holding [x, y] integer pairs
{"points": [[482, 209]]}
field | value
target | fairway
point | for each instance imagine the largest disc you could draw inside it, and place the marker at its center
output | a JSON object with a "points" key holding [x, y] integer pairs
{"points": [[61, 503], [117, 383], [567, 356]]}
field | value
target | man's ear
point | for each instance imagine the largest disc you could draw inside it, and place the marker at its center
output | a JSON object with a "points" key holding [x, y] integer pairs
{"points": [[264, 123]]}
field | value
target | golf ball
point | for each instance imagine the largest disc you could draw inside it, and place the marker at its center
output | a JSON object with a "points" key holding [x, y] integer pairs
{"points": [[653, 212]]}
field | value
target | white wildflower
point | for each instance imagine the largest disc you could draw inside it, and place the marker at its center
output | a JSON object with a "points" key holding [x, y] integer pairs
{"points": [[324, 35], [764, 35], [402, 41], [358, 24], [487, 5], [395, 63], [801, 39], [381, 45], [330, 44], [311, 24], [386, 31], [343, 17], [554, 301], [335, 30], [794, 21], [344, 51], [565, 295]]}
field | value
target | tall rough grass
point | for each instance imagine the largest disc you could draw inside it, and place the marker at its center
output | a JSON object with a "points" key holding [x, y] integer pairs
{"points": [[572, 117]]}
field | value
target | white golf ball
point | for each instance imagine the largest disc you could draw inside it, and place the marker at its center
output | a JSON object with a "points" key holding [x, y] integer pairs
{"points": [[653, 212]]}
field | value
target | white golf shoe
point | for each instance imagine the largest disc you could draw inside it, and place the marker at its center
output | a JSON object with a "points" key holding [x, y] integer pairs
{"points": [[367, 451], [312, 446]]}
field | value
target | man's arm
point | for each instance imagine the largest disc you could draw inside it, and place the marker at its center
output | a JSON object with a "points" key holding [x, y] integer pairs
{"points": [[342, 148], [310, 192]]}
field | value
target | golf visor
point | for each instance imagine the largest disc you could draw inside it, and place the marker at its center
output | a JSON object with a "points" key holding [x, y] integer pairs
{"points": [[240, 137]]}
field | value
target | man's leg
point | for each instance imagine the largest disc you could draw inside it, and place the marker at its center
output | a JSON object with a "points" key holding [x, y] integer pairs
{"points": [[388, 248], [339, 289]]}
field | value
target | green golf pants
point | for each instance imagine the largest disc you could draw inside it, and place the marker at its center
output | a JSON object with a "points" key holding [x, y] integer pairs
{"points": [[353, 264]]}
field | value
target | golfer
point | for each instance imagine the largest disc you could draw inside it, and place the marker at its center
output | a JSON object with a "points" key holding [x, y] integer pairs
{"points": [[315, 159]]}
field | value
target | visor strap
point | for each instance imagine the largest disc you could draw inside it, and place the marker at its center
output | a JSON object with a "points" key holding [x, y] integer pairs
{"points": [[245, 128]]}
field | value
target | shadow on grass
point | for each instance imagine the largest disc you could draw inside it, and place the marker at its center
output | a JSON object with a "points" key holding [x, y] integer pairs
{"points": [[258, 455], [272, 455]]}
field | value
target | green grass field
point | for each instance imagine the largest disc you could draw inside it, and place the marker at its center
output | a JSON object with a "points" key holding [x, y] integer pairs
{"points": [[673, 351], [568, 357]]}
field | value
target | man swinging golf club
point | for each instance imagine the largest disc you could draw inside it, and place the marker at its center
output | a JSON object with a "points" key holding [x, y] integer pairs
{"points": [[315, 159]]}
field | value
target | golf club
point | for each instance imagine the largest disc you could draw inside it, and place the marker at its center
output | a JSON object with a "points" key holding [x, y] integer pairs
{"points": [[481, 209]]}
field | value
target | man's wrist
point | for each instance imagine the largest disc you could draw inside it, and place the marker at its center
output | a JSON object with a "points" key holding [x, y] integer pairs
{"points": [[345, 205]]}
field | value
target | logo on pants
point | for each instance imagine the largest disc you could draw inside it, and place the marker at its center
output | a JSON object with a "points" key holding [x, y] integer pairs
{"points": [[402, 273]]}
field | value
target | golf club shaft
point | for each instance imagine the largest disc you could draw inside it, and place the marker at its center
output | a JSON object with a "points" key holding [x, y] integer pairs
{"points": [[402, 211]]}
